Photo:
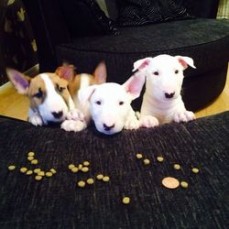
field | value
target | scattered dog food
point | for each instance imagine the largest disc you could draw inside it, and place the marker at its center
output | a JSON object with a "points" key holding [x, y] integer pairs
{"points": [[139, 156], [31, 154], [184, 184], [86, 163], [160, 159], [29, 172], [90, 181], [38, 172], [85, 169], [106, 178], [48, 174], [11, 167], [71, 166], [34, 162], [176, 166], [38, 178], [146, 161], [195, 170], [81, 184], [23, 169], [126, 200], [74, 170], [170, 182], [99, 176]]}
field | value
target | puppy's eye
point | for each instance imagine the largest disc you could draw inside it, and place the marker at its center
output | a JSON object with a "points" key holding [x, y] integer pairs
{"points": [[98, 102], [176, 71], [59, 88], [121, 103], [156, 73], [39, 94]]}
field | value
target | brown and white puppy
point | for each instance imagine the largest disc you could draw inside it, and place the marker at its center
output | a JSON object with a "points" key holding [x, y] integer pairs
{"points": [[79, 118], [50, 100]]}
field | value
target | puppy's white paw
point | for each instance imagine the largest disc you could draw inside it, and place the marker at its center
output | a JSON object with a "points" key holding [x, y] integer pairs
{"points": [[36, 120], [184, 116], [73, 125], [132, 124], [75, 114], [148, 121]]}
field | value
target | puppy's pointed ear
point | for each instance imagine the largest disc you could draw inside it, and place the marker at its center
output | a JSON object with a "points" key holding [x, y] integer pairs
{"points": [[85, 94], [142, 63], [185, 61], [19, 80], [66, 72], [134, 85], [100, 73]]}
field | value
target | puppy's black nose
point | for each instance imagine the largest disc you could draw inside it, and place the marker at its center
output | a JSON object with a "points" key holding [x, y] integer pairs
{"points": [[169, 95], [107, 128], [57, 114]]}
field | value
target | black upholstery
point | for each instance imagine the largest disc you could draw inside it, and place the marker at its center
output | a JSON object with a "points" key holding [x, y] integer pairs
{"points": [[57, 202], [205, 40]]}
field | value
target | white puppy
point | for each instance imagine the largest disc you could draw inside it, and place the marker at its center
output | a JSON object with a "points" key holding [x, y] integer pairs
{"points": [[162, 101], [110, 104]]}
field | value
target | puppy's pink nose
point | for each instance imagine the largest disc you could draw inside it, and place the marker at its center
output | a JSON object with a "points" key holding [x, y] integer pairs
{"points": [[169, 95], [108, 127]]}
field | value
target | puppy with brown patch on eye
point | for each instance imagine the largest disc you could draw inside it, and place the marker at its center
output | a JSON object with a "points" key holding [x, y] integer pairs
{"points": [[50, 100]]}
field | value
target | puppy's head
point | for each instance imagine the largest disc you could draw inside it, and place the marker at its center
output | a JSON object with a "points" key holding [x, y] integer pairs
{"points": [[47, 92], [164, 75], [109, 103]]}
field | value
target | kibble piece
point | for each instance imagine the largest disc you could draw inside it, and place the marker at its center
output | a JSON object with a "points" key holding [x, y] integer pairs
{"points": [[139, 156], [86, 163], [71, 166], [52, 170], [11, 167], [23, 169], [160, 159], [38, 178], [74, 170], [106, 178], [126, 200], [184, 184], [29, 172], [176, 166], [31, 154], [34, 162], [41, 173], [48, 174], [146, 161], [195, 170], [85, 169], [37, 170], [90, 181], [170, 182], [81, 184], [99, 176], [29, 158]]}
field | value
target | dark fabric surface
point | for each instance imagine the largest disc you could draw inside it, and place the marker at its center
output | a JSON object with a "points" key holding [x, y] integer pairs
{"points": [[84, 18], [57, 202], [186, 38], [200, 8], [141, 12]]}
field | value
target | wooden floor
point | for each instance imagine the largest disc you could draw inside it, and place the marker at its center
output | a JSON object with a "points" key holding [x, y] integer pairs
{"points": [[14, 105]]}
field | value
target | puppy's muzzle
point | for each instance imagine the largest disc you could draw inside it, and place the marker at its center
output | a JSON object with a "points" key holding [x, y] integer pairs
{"points": [[169, 95]]}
